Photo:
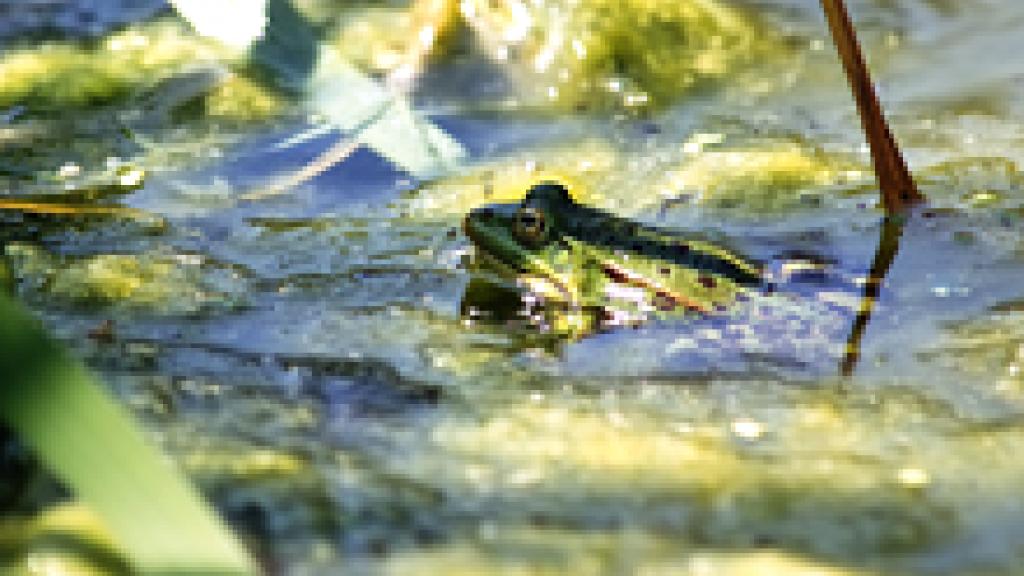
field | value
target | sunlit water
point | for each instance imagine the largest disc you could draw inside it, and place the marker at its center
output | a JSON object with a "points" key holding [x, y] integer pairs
{"points": [[322, 389]]}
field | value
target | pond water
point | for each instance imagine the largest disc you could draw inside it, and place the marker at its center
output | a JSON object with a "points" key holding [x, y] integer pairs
{"points": [[303, 357]]}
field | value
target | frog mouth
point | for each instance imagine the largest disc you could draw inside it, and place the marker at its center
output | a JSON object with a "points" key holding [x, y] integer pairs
{"points": [[486, 261], [530, 275], [518, 264]]}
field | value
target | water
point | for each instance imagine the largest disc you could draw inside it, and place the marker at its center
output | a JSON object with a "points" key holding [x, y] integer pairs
{"points": [[75, 18], [311, 373]]}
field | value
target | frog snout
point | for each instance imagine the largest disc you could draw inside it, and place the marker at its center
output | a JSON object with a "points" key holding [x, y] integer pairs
{"points": [[478, 215]]}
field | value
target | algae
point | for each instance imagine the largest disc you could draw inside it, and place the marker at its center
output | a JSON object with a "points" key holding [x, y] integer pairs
{"points": [[634, 54], [64, 78], [155, 283]]}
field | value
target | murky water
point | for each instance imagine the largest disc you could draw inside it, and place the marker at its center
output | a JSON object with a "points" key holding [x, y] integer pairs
{"points": [[304, 360]]}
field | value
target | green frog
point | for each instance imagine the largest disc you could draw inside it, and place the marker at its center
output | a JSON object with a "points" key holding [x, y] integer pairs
{"points": [[572, 269]]}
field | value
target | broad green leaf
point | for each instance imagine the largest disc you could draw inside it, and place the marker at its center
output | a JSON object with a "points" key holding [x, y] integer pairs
{"points": [[80, 433]]}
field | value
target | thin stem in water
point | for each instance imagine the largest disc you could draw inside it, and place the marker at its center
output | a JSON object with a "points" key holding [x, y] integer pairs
{"points": [[894, 179]]}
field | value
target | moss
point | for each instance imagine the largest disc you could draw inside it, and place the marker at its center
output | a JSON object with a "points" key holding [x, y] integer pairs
{"points": [[585, 166], [155, 283], [603, 54], [76, 76], [553, 551], [241, 99], [773, 176]]}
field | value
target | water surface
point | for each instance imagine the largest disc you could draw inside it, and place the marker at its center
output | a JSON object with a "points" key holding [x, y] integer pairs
{"points": [[305, 361]]}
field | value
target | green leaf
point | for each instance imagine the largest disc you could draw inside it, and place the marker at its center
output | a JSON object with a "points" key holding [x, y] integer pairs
{"points": [[82, 435]]}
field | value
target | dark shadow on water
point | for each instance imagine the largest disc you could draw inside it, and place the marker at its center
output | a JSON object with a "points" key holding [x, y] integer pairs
{"points": [[888, 246]]}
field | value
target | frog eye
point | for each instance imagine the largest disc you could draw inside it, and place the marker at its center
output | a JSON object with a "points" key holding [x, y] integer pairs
{"points": [[530, 224]]}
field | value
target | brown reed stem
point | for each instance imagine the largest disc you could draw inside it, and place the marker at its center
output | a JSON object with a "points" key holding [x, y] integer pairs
{"points": [[894, 179]]}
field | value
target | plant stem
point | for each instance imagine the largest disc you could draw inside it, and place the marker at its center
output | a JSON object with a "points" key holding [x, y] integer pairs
{"points": [[894, 179]]}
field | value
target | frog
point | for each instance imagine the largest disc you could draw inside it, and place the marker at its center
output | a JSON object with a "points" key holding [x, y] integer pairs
{"points": [[571, 269]]}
